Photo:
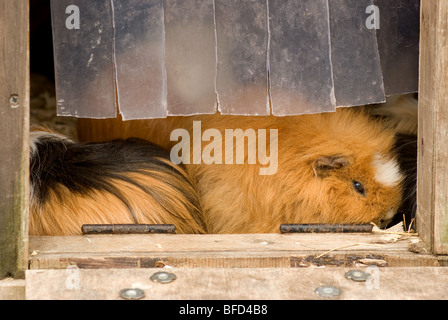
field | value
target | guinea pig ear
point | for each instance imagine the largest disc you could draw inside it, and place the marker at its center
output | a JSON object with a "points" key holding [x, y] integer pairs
{"points": [[324, 164]]}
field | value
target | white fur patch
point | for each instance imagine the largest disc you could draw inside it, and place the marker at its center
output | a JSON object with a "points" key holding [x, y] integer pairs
{"points": [[387, 171], [390, 214], [35, 137]]}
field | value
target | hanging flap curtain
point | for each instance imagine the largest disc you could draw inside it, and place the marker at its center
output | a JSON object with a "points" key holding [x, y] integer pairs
{"points": [[157, 58]]}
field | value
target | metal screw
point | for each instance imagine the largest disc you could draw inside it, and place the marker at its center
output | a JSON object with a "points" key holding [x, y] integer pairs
{"points": [[14, 101], [357, 275], [328, 291], [163, 277], [132, 294]]}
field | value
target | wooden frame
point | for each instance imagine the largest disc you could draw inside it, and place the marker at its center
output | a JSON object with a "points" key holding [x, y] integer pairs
{"points": [[258, 266], [230, 251], [239, 284], [217, 257], [14, 123], [432, 217]]}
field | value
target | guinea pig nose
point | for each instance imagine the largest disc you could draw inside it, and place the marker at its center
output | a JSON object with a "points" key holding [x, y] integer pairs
{"points": [[383, 224]]}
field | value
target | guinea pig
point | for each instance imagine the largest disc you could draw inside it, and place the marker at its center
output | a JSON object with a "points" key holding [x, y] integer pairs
{"points": [[119, 182], [336, 168]]}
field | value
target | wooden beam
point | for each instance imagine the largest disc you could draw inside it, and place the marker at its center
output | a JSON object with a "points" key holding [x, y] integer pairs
{"points": [[11, 289], [432, 216], [14, 154], [237, 284], [225, 251]]}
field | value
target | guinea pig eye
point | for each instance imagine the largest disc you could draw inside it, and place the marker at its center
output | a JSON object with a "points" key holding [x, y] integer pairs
{"points": [[359, 188]]}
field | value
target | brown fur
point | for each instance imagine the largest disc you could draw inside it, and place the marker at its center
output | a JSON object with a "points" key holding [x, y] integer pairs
{"points": [[172, 200], [64, 213], [236, 199]]}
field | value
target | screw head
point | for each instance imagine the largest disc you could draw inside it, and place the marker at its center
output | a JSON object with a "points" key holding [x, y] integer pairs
{"points": [[328, 291], [163, 277], [14, 101], [132, 294], [357, 275]]}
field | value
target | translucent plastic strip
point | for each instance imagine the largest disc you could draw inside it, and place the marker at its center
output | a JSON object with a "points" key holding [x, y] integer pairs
{"points": [[190, 55], [139, 51], [242, 42], [83, 48], [300, 64], [358, 78], [398, 41]]}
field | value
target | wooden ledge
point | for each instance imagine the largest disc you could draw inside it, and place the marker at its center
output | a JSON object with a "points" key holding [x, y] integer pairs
{"points": [[237, 284], [11, 289], [225, 251]]}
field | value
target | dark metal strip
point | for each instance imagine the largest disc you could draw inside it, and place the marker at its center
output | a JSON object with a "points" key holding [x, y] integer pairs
{"points": [[128, 228], [325, 228]]}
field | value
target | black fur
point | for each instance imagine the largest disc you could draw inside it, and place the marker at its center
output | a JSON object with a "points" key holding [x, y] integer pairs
{"points": [[406, 148], [85, 167]]}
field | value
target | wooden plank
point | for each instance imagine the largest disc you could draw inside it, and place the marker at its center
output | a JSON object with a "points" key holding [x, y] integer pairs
{"points": [[11, 289], [224, 251], [432, 216], [237, 284], [14, 118]]}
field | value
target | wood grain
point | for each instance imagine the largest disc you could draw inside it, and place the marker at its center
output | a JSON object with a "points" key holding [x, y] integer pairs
{"points": [[223, 251], [11, 289], [14, 118], [432, 216], [238, 284]]}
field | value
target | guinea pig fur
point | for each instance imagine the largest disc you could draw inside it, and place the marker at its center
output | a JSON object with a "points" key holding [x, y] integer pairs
{"points": [[401, 113], [406, 148], [336, 168], [119, 182]]}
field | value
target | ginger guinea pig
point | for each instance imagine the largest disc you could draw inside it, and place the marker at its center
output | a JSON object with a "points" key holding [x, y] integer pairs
{"points": [[336, 168], [119, 182]]}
